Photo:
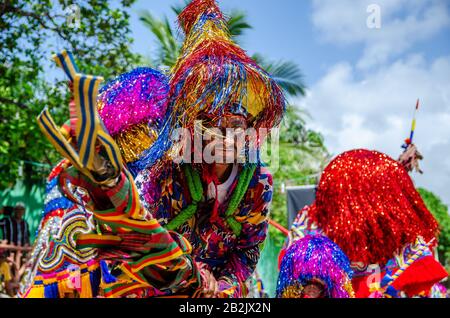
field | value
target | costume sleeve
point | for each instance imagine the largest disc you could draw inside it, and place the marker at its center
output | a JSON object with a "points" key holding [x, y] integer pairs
{"points": [[419, 270], [253, 217], [180, 275], [149, 254], [121, 195]]}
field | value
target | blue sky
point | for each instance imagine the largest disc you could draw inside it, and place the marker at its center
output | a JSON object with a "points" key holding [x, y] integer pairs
{"points": [[281, 30], [362, 83]]}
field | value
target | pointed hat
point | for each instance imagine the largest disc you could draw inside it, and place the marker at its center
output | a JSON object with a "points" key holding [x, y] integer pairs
{"points": [[214, 77]]}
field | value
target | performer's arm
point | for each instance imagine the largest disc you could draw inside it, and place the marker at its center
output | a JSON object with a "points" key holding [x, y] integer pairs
{"points": [[178, 275]]}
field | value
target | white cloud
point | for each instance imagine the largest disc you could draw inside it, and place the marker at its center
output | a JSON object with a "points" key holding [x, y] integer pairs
{"points": [[375, 110], [404, 23]]}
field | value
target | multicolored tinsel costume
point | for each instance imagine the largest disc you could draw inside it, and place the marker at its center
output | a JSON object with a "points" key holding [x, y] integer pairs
{"points": [[157, 234], [315, 258], [367, 204], [214, 78], [132, 107]]}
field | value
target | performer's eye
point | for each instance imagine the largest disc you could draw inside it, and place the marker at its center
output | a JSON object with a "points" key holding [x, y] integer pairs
{"points": [[236, 122]]}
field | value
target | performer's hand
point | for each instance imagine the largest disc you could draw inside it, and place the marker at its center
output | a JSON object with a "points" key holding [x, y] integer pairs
{"points": [[210, 285], [410, 159]]}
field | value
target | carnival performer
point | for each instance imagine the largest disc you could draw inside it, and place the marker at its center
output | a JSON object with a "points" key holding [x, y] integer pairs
{"points": [[220, 205], [367, 204], [59, 267], [314, 267], [176, 228]]}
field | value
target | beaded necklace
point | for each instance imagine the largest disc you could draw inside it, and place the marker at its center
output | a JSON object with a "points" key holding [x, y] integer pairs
{"points": [[196, 191]]}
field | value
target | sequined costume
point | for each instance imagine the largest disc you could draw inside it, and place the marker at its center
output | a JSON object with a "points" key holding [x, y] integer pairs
{"points": [[367, 204], [314, 258], [56, 263]]}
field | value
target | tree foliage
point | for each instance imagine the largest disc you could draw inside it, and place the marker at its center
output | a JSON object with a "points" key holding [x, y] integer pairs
{"points": [[97, 31], [440, 212], [302, 156]]}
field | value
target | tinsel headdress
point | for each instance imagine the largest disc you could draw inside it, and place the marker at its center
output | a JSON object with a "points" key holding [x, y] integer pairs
{"points": [[367, 203], [215, 77], [132, 107], [315, 258]]}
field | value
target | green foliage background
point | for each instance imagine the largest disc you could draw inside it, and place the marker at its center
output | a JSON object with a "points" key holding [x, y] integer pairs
{"points": [[31, 31], [440, 212]]}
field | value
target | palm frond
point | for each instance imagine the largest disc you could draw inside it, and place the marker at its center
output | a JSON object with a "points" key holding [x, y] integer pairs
{"points": [[179, 7], [288, 75], [237, 23], [169, 47]]}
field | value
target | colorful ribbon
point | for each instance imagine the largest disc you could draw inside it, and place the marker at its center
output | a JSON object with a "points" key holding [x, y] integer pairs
{"points": [[89, 129]]}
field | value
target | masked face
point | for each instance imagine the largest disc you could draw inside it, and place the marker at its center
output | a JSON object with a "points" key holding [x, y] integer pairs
{"points": [[313, 289], [224, 138]]}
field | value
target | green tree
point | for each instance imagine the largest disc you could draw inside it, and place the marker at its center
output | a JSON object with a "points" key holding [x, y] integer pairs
{"points": [[440, 212], [302, 155], [302, 151], [31, 30]]}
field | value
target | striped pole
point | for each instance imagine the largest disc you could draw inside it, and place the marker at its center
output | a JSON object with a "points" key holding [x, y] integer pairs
{"points": [[279, 227], [88, 128], [409, 141], [413, 125]]}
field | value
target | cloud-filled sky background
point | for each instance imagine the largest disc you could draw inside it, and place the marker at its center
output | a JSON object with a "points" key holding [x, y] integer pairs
{"points": [[362, 83]]}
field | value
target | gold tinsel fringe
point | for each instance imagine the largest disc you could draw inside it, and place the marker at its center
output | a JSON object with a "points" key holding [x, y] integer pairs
{"points": [[134, 141]]}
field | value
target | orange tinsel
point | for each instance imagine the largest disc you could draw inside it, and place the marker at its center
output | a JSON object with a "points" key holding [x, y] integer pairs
{"points": [[189, 16]]}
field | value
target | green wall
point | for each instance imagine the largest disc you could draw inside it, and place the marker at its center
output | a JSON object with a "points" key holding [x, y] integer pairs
{"points": [[268, 265], [33, 197]]}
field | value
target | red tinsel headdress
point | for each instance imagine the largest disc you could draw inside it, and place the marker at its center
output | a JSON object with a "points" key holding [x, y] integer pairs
{"points": [[367, 203]]}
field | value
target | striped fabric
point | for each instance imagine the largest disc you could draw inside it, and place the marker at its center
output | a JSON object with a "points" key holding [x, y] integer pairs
{"points": [[86, 91], [66, 61], [89, 131], [157, 254]]}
